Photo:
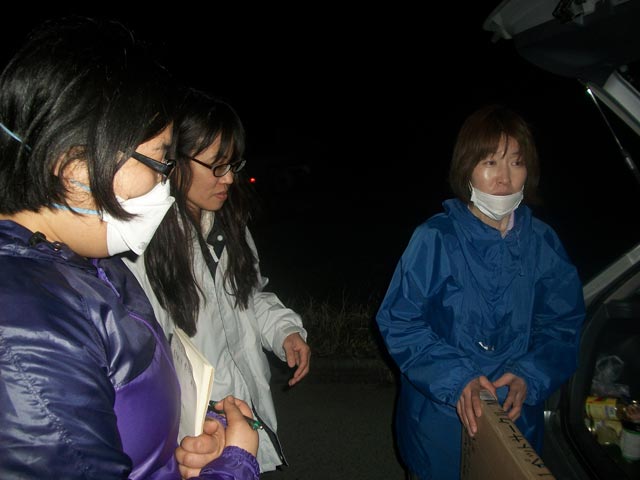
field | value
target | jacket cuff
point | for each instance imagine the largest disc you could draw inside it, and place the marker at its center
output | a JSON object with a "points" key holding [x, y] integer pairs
{"points": [[234, 463], [282, 335]]}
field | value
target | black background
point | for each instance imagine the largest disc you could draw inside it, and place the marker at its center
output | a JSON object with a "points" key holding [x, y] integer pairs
{"points": [[351, 117]]}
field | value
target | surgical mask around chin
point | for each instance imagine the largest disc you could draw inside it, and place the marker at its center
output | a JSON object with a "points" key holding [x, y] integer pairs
{"points": [[134, 234], [495, 206]]}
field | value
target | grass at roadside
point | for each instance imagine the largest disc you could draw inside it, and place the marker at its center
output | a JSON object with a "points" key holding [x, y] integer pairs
{"points": [[345, 342], [340, 329]]}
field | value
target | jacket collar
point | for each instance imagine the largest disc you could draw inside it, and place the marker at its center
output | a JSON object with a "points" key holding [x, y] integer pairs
{"points": [[17, 240]]}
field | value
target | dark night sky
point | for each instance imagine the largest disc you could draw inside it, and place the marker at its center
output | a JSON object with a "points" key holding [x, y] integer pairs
{"points": [[351, 117]]}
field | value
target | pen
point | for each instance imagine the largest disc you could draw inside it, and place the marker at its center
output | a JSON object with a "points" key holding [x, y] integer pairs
{"points": [[253, 423]]}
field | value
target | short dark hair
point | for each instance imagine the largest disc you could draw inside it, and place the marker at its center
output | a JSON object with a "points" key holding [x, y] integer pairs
{"points": [[480, 136], [78, 89]]}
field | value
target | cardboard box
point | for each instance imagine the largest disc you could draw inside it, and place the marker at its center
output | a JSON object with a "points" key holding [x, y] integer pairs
{"points": [[499, 451]]}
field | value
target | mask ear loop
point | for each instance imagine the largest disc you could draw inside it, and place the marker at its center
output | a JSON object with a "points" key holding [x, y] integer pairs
{"points": [[81, 185], [85, 211], [14, 136]]}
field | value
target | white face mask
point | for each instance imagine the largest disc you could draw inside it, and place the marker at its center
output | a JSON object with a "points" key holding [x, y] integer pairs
{"points": [[135, 234], [495, 206]]}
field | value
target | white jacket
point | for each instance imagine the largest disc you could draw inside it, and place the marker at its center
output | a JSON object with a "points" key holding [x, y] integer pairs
{"points": [[233, 339]]}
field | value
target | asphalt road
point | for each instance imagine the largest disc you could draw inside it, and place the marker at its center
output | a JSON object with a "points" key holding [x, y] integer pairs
{"points": [[334, 430]]}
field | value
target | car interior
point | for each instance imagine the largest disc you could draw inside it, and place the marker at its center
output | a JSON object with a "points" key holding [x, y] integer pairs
{"points": [[596, 42]]}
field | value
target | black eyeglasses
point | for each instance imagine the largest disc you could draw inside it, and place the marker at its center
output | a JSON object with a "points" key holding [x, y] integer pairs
{"points": [[221, 169], [165, 168]]}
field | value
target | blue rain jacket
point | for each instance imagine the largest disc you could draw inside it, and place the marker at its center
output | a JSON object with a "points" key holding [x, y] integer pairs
{"points": [[465, 302]]}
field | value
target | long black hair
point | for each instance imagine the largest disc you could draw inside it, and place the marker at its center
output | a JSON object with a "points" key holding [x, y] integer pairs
{"points": [[202, 119]]}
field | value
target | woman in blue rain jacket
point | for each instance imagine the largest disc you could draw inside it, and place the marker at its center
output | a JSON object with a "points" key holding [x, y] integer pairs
{"points": [[484, 297]]}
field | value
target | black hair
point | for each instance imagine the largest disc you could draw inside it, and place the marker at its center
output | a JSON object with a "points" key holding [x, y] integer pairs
{"points": [[79, 89], [201, 119]]}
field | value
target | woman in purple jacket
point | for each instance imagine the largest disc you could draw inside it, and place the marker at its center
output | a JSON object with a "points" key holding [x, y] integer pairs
{"points": [[87, 384]]}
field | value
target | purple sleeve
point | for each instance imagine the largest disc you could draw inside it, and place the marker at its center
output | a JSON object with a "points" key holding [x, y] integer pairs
{"points": [[235, 463], [216, 416]]}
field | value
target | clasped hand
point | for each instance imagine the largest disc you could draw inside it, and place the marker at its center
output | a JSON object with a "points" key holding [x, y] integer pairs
{"points": [[196, 452], [469, 406]]}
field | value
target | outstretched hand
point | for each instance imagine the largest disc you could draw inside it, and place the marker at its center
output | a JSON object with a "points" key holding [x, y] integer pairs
{"points": [[469, 405], [298, 353], [516, 396]]}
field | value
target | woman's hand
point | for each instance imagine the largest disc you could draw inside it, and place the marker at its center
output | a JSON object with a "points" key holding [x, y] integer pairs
{"points": [[298, 353], [239, 433], [516, 396], [195, 452], [469, 406]]}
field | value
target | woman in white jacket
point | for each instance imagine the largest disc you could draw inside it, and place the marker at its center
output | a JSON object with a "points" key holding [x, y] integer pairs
{"points": [[208, 283]]}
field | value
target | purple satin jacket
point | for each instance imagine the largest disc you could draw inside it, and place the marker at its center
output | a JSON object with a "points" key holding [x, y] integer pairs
{"points": [[87, 384]]}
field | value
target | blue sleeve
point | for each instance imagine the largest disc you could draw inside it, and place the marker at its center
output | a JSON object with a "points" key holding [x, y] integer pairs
{"points": [[409, 324], [558, 316]]}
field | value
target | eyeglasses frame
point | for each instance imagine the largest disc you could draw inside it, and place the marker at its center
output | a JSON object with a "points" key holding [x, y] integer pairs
{"points": [[230, 167], [165, 168]]}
